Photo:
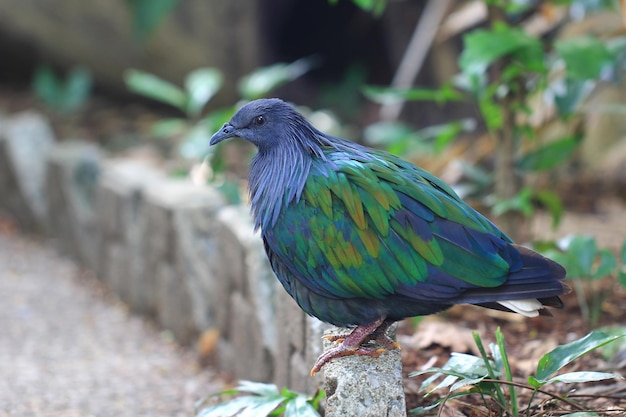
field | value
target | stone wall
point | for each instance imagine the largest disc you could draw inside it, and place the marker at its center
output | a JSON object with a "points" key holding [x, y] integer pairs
{"points": [[178, 253]]}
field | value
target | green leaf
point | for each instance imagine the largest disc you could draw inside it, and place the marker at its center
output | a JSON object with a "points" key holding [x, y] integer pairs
{"points": [[582, 250], [562, 355], [46, 85], [425, 410], [609, 352], [582, 376], [148, 14], [582, 414], [151, 86], [606, 264], [261, 406], [533, 382], [444, 134], [227, 409], [77, 89], [264, 80], [459, 367], [521, 202], [569, 94], [584, 56], [490, 110], [201, 86], [63, 96], [483, 47], [551, 201], [265, 401], [258, 388], [549, 155], [169, 128], [300, 407]]}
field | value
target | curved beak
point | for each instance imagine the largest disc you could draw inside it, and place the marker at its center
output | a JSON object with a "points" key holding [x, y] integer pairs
{"points": [[227, 131]]}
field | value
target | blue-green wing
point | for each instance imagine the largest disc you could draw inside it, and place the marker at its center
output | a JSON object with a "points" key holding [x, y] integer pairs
{"points": [[375, 227]]}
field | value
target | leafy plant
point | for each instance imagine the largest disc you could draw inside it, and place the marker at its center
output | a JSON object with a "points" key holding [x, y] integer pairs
{"points": [[587, 265], [63, 95], [264, 400], [193, 131], [264, 80], [503, 69], [199, 88], [400, 138], [491, 376]]}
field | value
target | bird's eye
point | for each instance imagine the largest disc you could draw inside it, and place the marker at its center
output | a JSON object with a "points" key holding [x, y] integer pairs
{"points": [[259, 120]]}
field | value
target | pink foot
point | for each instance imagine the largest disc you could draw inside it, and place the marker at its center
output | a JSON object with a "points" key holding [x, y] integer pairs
{"points": [[351, 344]]}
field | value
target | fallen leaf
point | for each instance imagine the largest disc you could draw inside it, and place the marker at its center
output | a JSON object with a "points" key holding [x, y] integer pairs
{"points": [[433, 331]]}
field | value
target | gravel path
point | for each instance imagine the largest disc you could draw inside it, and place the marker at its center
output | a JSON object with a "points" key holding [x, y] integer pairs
{"points": [[69, 349]]}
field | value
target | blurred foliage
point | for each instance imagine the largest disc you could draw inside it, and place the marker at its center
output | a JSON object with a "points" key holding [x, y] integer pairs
{"points": [[265, 400], [503, 70], [261, 82], [490, 376], [588, 266], [62, 95], [147, 15], [193, 131], [402, 139], [199, 87], [345, 96]]}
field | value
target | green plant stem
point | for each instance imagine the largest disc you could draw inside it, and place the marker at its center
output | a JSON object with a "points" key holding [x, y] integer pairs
{"points": [[581, 292], [490, 371], [530, 401], [548, 393], [507, 371]]}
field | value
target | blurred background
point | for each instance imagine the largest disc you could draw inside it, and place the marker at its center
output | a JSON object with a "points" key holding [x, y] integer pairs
{"points": [[518, 104]]}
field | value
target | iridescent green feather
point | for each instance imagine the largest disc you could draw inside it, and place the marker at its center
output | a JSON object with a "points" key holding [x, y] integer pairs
{"points": [[345, 223]]}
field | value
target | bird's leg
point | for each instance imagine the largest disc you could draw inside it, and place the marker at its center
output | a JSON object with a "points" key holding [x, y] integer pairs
{"points": [[380, 335], [351, 344]]}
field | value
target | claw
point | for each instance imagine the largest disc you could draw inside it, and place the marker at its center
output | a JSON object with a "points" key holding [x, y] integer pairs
{"points": [[335, 337], [352, 344], [341, 351]]}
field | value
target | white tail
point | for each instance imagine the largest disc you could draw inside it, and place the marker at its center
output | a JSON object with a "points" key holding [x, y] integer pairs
{"points": [[528, 308]]}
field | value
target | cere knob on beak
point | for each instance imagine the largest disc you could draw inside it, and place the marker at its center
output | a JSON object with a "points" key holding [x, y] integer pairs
{"points": [[227, 131]]}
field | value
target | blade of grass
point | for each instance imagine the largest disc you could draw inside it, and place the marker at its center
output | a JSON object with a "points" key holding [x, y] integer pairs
{"points": [[507, 371], [490, 370]]}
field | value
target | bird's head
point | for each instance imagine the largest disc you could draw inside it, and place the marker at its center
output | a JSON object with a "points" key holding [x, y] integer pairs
{"points": [[265, 123]]}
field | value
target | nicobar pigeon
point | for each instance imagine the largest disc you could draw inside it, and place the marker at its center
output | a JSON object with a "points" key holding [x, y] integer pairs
{"points": [[361, 238]]}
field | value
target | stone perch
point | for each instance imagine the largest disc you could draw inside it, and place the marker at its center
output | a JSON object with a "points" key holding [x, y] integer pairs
{"points": [[361, 386]]}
